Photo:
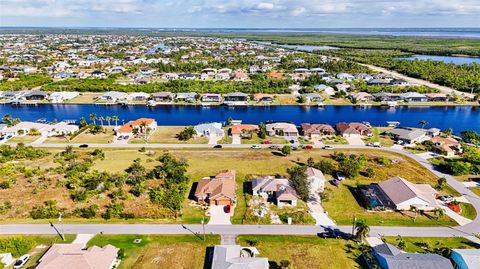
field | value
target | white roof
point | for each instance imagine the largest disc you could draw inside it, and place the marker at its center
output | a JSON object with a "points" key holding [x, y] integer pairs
{"points": [[470, 256]]}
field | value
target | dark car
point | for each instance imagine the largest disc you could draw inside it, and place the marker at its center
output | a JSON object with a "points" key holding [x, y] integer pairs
{"points": [[217, 146], [227, 209], [83, 146]]}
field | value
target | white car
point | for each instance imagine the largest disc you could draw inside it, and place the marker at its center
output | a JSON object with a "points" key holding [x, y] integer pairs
{"points": [[256, 147], [328, 147], [21, 261]]}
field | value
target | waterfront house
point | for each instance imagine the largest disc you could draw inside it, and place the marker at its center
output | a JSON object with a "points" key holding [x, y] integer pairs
{"points": [[405, 195], [113, 96], [211, 97], [390, 257], [217, 190], [448, 146], [312, 97], [315, 179], [208, 129], [36, 96], [324, 88], [138, 96], [387, 97], [47, 130], [243, 130], [164, 97], [313, 130], [131, 128], [465, 258], [235, 256], [236, 97], [353, 129], [283, 129], [75, 256], [437, 97], [60, 97], [189, 97], [433, 132], [343, 87], [275, 189], [414, 97], [408, 135], [361, 97]]}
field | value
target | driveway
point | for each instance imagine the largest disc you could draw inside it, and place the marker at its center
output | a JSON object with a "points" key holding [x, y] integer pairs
{"points": [[236, 139], [83, 239], [317, 212], [218, 215], [355, 141], [213, 139]]}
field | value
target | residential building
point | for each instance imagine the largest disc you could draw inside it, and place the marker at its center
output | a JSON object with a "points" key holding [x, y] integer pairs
{"points": [[324, 88], [437, 97], [74, 256], [448, 146], [235, 97], [208, 129], [189, 97], [353, 129], [130, 128], [312, 97], [275, 189], [316, 180], [414, 97], [282, 129], [164, 97], [113, 96], [25, 127], [138, 96], [361, 97], [211, 97], [60, 97], [237, 257], [217, 190], [390, 257], [387, 97], [313, 130], [465, 258], [243, 130], [36, 96], [408, 136]]}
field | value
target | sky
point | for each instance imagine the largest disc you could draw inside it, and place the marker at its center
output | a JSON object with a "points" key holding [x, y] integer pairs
{"points": [[241, 13]]}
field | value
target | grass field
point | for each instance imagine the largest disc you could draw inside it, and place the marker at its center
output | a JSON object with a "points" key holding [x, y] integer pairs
{"points": [[257, 140], [305, 252], [468, 211], [449, 242], [159, 251], [338, 140], [84, 98], [86, 137], [24, 139], [476, 190], [42, 242], [167, 135]]}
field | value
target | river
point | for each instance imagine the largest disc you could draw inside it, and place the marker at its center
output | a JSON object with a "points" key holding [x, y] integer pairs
{"points": [[445, 59], [459, 118]]}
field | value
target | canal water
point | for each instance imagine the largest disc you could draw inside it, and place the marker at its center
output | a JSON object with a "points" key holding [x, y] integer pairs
{"points": [[459, 118], [445, 59]]}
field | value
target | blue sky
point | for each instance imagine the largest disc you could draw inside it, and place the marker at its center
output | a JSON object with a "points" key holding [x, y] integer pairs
{"points": [[241, 13]]}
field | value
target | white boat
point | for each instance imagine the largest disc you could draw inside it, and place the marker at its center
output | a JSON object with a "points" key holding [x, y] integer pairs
{"points": [[392, 104], [151, 103]]}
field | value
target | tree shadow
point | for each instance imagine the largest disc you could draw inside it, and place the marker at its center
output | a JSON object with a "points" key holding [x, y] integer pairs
{"points": [[247, 187], [277, 153], [273, 265], [191, 194]]}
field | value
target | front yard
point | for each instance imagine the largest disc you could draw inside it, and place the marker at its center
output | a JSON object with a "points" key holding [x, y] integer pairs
{"points": [[86, 137], [167, 135], [424, 244]]}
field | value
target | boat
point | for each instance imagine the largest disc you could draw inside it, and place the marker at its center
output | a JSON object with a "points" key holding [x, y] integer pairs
{"points": [[393, 123], [321, 105], [392, 104], [365, 105], [151, 103]]}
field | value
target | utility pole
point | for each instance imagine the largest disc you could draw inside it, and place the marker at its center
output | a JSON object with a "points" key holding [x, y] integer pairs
{"points": [[203, 228], [353, 224]]}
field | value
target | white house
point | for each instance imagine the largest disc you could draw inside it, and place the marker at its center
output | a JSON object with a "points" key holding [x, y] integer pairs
{"points": [[138, 96], [316, 180], [60, 97], [207, 129], [25, 127], [113, 96], [406, 195]]}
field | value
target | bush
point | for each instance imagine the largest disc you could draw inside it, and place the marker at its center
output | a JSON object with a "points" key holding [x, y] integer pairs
{"points": [[48, 210], [326, 166], [114, 210], [17, 245], [87, 212]]}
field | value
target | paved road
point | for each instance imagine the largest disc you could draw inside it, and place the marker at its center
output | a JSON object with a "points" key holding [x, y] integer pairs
{"points": [[466, 230]]}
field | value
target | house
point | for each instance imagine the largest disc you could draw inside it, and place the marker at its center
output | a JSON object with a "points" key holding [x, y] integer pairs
{"points": [[353, 129], [465, 258], [312, 97], [399, 82], [282, 129], [361, 96], [276, 189], [437, 97], [240, 76], [113, 96], [378, 81], [138, 96], [36, 95], [98, 74], [132, 127], [217, 190], [404, 195], [189, 97], [345, 76], [235, 256], [343, 87], [236, 97], [312, 130], [208, 129], [25, 127], [327, 89], [211, 97], [164, 97], [387, 97], [316, 180], [433, 132], [74, 256], [414, 97], [408, 136], [449, 146], [60, 97], [243, 130], [390, 257]]}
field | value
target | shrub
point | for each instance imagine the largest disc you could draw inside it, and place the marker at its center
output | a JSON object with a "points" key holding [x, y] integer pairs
{"points": [[17, 245], [48, 210], [87, 212]]}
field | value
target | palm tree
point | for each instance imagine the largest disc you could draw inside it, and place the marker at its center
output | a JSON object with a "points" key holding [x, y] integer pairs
{"points": [[448, 131], [83, 122], [108, 118], [143, 128], [101, 119], [7, 119], [93, 117], [115, 119], [423, 123], [438, 212], [362, 230]]}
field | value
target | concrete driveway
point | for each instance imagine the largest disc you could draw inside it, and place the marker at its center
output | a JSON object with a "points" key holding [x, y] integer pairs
{"points": [[213, 139], [236, 139], [218, 215], [355, 141]]}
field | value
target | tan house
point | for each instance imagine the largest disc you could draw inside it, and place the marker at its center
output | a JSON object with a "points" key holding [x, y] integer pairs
{"points": [[317, 130], [282, 129], [275, 189], [73, 256], [353, 129], [447, 145], [217, 190]]}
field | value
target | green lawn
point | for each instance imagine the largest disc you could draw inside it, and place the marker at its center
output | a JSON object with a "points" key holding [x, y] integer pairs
{"points": [[167, 135], [159, 251], [24, 139], [468, 211], [86, 137], [305, 251], [257, 140], [338, 140], [476, 190], [40, 244], [373, 138], [412, 243]]}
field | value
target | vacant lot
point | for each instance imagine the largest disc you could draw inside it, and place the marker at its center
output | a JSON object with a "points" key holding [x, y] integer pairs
{"points": [[159, 251], [422, 244], [167, 135], [305, 252], [24, 139], [86, 137]]}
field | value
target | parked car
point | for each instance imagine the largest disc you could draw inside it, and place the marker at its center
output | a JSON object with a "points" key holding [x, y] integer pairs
{"points": [[274, 147], [83, 146], [446, 198], [256, 147], [217, 146], [267, 142], [328, 147], [21, 261], [227, 209], [374, 144], [340, 176], [308, 147]]}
